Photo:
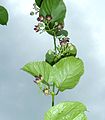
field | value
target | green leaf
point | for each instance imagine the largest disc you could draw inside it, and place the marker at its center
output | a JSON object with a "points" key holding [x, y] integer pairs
{"points": [[67, 72], [67, 111], [55, 8], [38, 68], [3, 16], [38, 2], [62, 32]]}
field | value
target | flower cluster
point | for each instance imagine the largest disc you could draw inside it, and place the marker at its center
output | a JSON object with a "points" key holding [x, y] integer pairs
{"points": [[40, 27], [44, 24]]}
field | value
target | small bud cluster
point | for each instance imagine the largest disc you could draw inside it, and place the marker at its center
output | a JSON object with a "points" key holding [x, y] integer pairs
{"points": [[38, 79], [65, 49], [43, 19], [46, 21], [37, 28], [64, 41], [48, 18], [42, 85], [40, 18], [35, 7], [41, 25], [60, 26], [46, 91]]}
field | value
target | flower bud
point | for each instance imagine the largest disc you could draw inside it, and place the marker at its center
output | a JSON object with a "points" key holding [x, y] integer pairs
{"points": [[40, 18], [64, 41], [60, 26], [37, 28], [38, 79], [50, 55], [31, 13], [48, 17], [36, 8], [46, 91]]}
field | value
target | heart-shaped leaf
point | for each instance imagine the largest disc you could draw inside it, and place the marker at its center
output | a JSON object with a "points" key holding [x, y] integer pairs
{"points": [[38, 68], [55, 8], [3, 16], [67, 111], [67, 72]]}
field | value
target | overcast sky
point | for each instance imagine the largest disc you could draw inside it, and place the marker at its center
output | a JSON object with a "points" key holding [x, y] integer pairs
{"points": [[20, 99]]}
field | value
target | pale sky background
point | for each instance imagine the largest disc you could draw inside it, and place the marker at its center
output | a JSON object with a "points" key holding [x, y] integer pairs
{"points": [[20, 99]]}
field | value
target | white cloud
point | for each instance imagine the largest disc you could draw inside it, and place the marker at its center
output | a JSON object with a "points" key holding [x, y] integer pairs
{"points": [[21, 6]]}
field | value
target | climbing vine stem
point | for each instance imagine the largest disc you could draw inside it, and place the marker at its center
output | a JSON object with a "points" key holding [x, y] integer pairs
{"points": [[53, 95], [55, 48], [52, 75]]}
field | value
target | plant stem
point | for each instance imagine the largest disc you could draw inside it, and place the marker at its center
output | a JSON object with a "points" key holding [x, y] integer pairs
{"points": [[55, 48], [57, 92], [53, 95]]}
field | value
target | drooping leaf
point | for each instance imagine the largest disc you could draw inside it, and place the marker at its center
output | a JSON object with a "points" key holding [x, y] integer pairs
{"points": [[38, 68], [38, 2], [67, 72], [62, 32], [67, 111], [55, 8], [3, 16]]}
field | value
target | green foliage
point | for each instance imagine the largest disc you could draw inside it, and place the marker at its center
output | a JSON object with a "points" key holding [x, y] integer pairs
{"points": [[66, 111], [67, 72], [38, 68], [55, 8], [66, 50], [3, 16], [61, 69], [62, 32], [38, 2]]}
